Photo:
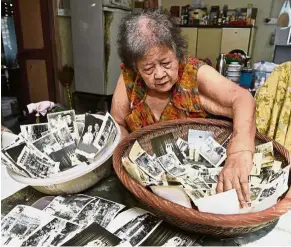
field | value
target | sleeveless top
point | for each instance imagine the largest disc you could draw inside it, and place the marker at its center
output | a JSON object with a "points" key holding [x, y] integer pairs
{"points": [[184, 97]]}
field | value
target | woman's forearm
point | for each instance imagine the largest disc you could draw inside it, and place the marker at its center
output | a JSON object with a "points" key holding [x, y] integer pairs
{"points": [[244, 124], [124, 131]]}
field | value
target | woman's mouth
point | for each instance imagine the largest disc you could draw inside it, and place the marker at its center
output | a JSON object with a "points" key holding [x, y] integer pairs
{"points": [[161, 83]]}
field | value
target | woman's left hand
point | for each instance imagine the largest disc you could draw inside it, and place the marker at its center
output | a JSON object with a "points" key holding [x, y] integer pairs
{"points": [[235, 175]]}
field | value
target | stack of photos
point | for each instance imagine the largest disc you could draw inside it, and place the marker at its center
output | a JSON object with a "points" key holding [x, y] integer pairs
{"points": [[66, 141], [167, 173], [81, 220], [96, 135]]}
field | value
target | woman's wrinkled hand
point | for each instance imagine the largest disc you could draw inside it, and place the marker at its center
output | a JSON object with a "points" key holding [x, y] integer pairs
{"points": [[235, 175]]}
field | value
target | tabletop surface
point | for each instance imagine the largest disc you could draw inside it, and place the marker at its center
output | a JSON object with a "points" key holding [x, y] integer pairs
{"points": [[112, 189]]}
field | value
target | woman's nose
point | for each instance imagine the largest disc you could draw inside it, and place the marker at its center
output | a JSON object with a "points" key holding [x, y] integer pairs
{"points": [[159, 73]]}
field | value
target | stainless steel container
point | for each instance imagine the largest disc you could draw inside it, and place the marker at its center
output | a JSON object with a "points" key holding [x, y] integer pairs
{"points": [[220, 67]]}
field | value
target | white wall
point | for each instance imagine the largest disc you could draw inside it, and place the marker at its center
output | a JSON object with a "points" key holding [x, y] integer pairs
{"points": [[266, 8]]}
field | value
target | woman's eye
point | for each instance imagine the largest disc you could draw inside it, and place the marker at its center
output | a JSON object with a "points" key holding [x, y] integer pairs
{"points": [[148, 69], [166, 63]]}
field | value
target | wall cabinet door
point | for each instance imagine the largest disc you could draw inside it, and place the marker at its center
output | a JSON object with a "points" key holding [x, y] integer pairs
{"points": [[190, 35], [235, 38], [209, 43]]}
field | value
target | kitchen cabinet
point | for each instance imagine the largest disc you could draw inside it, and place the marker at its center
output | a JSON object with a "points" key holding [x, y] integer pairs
{"points": [[190, 35], [209, 43], [235, 38]]}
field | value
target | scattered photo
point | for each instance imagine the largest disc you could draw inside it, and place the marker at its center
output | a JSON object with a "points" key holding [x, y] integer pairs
{"points": [[107, 132], [257, 164], [94, 235], [91, 130], [67, 207], [167, 235], [172, 164], [225, 143], [197, 137], [149, 166], [267, 192], [194, 194], [59, 119], [54, 233], [68, 158], [195, 183], [100, 211], [165, 144], [33, 132], [255, 193], [9, 163], [80, 127], [183, 146], [133, 226], [14, 152], [19, 223], [213, 152], [210, 179], [268, 153], [30, 160], [63, 136], [47, 144]]}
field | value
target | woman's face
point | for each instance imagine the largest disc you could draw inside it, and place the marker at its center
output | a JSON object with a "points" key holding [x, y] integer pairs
{"points": [[159, 69]]}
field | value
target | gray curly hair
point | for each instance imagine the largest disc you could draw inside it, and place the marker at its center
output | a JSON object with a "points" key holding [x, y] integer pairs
{"points": [[140, 32]]}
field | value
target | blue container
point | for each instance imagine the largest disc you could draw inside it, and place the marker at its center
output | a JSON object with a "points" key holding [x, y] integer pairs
{"points": [[246, 78]]}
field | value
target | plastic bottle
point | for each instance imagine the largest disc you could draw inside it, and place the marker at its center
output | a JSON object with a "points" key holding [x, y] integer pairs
{"points": [[260, 75]]}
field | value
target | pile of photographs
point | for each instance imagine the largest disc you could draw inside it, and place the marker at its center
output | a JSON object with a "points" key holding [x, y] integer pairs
{"points": [[67, 140], [82, 220], [186, 173]]}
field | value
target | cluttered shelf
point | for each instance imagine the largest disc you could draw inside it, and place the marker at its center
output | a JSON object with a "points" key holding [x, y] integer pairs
{"points": [[217, 26]]}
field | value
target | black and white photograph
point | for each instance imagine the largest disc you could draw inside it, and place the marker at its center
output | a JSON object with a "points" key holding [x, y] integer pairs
{"points": [[149, 166], [54, 233], [136, 230], [184, 147], [172, 164], [9, 163], [67, 207], [14, 151], [167, 235], [194, 194], [58, 119], [20, 223], [47, 144], [63, 136], [107, 130], [32, 163], [267, 192], [255, 193], [80, 127], [213, 152], [197, 137], [68, 158], [33, 132], [99, 211], [210, 179], [164, 144], [91, 130], [196, 183], [107, 212], [93, 235]]}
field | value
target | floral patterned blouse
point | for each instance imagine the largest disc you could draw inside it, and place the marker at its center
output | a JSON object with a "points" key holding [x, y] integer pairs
{"points": [[273, 106], [184, 100]]}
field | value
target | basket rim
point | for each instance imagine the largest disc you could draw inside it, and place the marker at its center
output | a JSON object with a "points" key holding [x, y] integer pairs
{"points": [[191, 215]]}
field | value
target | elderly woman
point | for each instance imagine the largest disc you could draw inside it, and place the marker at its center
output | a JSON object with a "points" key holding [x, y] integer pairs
{"points": [[158, 83]]}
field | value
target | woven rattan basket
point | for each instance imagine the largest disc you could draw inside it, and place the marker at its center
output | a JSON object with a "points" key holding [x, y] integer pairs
{"points": [[191, 219]]}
